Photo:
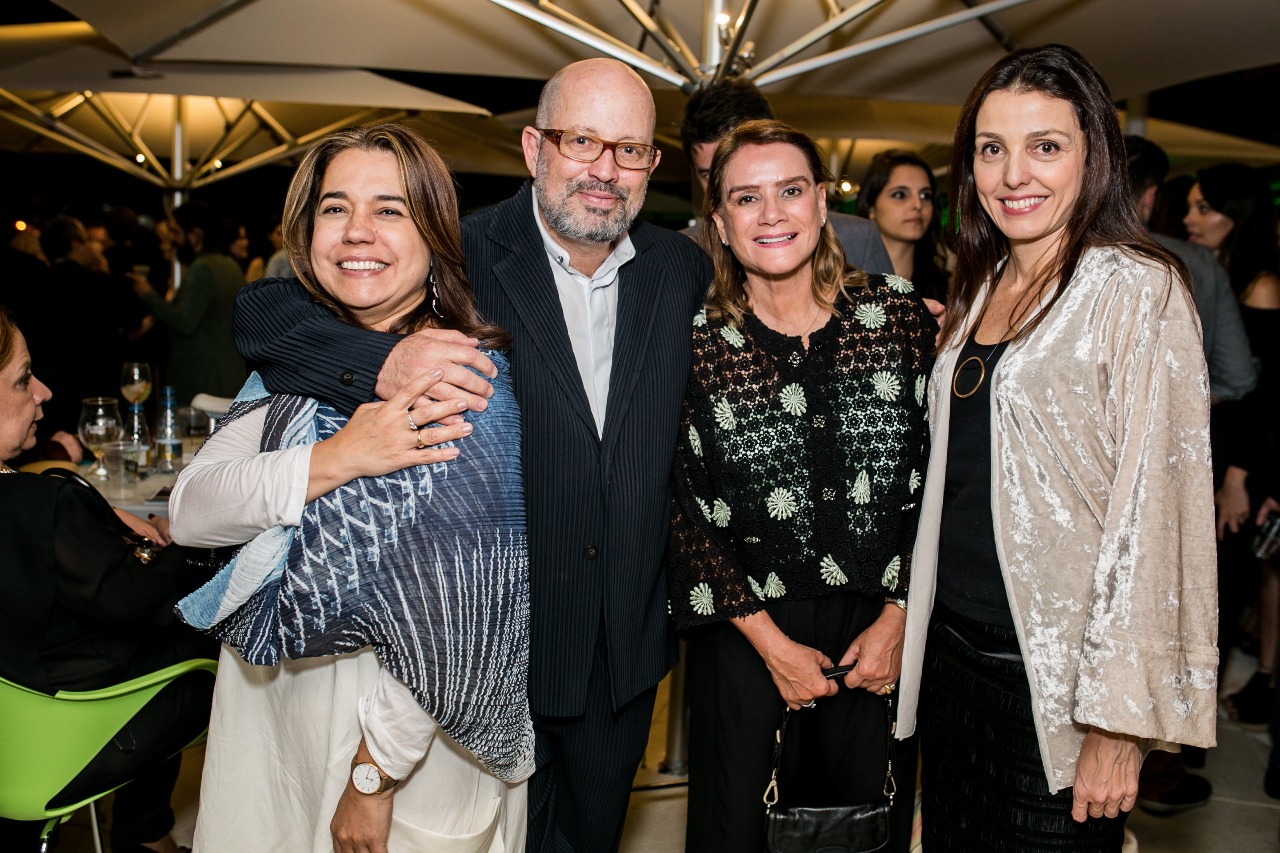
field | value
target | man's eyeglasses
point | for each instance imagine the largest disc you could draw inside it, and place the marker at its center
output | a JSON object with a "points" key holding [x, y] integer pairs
{"points": [[587, 149]]}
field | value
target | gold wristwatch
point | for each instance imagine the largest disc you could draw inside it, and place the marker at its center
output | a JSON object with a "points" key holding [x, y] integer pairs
{"points": [[368, 778]]}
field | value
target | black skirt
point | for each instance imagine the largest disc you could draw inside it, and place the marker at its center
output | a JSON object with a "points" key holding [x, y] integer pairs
{"points": [[983, 784], [835, 753]]}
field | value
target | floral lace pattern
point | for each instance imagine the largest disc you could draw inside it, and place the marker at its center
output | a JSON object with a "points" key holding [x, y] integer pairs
{"points": [[798, 470]]}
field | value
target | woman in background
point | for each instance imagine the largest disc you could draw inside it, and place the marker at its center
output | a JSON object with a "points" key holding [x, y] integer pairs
{"points": [[898, 194], [81, 608], [1230, 211]]}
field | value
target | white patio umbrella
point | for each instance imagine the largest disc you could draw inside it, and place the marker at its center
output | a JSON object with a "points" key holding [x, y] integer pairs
{"points": [[865, 74], [190, 124], [929, 51]]}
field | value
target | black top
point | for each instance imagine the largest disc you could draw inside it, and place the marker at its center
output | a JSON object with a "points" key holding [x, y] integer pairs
{"points": [[969, 579], [76, 604], [799, 471], [1244, 432]]}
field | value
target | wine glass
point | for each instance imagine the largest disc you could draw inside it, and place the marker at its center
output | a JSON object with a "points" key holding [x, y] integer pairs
{"points": [[135, 381], [99, 424]]}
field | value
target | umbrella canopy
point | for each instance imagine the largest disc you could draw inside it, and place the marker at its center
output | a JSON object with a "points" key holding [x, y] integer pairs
{"points": [[63, 84], [875, 74], [915, 50]]}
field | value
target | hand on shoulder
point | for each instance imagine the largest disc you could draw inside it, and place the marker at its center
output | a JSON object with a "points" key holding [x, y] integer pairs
{"points": [[445, 350]]}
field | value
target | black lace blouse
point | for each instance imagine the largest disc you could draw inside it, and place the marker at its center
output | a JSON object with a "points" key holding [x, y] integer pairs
{"points": [[798, 472]]}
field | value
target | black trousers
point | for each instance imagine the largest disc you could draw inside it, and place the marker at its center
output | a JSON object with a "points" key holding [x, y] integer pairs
{"points": [[983, 786], [145, 751], [586, 765], [835, 753]]}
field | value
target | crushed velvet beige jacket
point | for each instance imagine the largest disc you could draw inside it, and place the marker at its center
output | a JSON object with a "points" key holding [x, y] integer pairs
{"points": [[1103, 512]]}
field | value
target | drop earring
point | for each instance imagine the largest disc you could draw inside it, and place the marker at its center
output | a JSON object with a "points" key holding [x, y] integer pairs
{"points": [[435, 295]]}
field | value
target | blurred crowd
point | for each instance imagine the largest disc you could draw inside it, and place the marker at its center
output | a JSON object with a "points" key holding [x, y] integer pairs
{"points": [[94, 293]]}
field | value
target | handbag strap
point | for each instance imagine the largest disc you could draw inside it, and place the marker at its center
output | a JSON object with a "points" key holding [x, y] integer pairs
{"points": [[890, 786]]}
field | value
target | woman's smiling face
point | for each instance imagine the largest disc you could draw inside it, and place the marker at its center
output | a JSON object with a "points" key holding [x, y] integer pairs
{"points": [[1028, 164], [772, 211], [366, 249]]}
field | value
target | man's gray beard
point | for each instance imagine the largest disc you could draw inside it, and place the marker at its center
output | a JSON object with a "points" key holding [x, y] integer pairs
{"points": [[596, 225]]}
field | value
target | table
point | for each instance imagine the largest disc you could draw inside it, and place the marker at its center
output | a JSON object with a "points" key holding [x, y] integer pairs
{"points": [[133, 496]]}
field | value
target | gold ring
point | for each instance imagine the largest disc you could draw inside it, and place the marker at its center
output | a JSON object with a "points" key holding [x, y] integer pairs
{"points": [[887, 689], [412, 424], [421, 446]]}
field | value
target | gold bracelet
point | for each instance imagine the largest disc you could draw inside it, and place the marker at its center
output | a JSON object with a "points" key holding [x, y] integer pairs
{"points": [[897, 602]]}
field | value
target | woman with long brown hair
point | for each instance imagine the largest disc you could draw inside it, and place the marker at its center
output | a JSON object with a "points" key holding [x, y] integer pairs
{"points": [[1231, 213], [375, 626], [1064, 567], [900, 195]]}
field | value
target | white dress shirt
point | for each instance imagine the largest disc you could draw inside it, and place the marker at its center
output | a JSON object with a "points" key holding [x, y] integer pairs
{"points": [[590, 307]]}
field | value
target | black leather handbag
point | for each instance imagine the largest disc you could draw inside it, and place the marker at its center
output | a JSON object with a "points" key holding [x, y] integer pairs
{"points": [[193, 566], [832, 829]]}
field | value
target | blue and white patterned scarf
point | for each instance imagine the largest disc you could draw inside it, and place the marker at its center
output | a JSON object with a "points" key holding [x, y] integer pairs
{"points": [[429, 565]]}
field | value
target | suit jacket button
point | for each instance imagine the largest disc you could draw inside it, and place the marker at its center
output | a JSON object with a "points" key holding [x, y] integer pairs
{"points": [[347, 378], [591, 552]]}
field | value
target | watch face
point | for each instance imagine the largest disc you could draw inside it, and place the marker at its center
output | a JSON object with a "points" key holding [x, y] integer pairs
{"points": [[366, 778]]}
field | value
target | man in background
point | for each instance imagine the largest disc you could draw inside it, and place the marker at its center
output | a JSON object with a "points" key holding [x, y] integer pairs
{"points": [[80, 337], [1232, 371], [202, 354]]}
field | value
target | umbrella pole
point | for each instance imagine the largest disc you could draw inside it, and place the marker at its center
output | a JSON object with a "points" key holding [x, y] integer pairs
{"points": [[178, 168], [1135, 111], [713, 13]]}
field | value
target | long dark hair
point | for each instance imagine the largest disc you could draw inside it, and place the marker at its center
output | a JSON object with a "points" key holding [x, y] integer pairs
{"points": [[727, 297], [1239, 193], [1104, 213], [928, 261], [433, 206]]}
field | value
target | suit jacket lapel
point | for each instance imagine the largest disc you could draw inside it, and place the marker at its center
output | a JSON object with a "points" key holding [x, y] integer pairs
{"points": [[524, 273], [638, 295]]}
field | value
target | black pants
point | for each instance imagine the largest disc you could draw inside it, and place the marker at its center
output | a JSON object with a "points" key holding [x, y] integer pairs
{"points": [[144, 750], [586, 765], [983, 785], [835, 754]]}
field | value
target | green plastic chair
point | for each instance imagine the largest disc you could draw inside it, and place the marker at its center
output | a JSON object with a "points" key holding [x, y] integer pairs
{"points": [[45, 741]]}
